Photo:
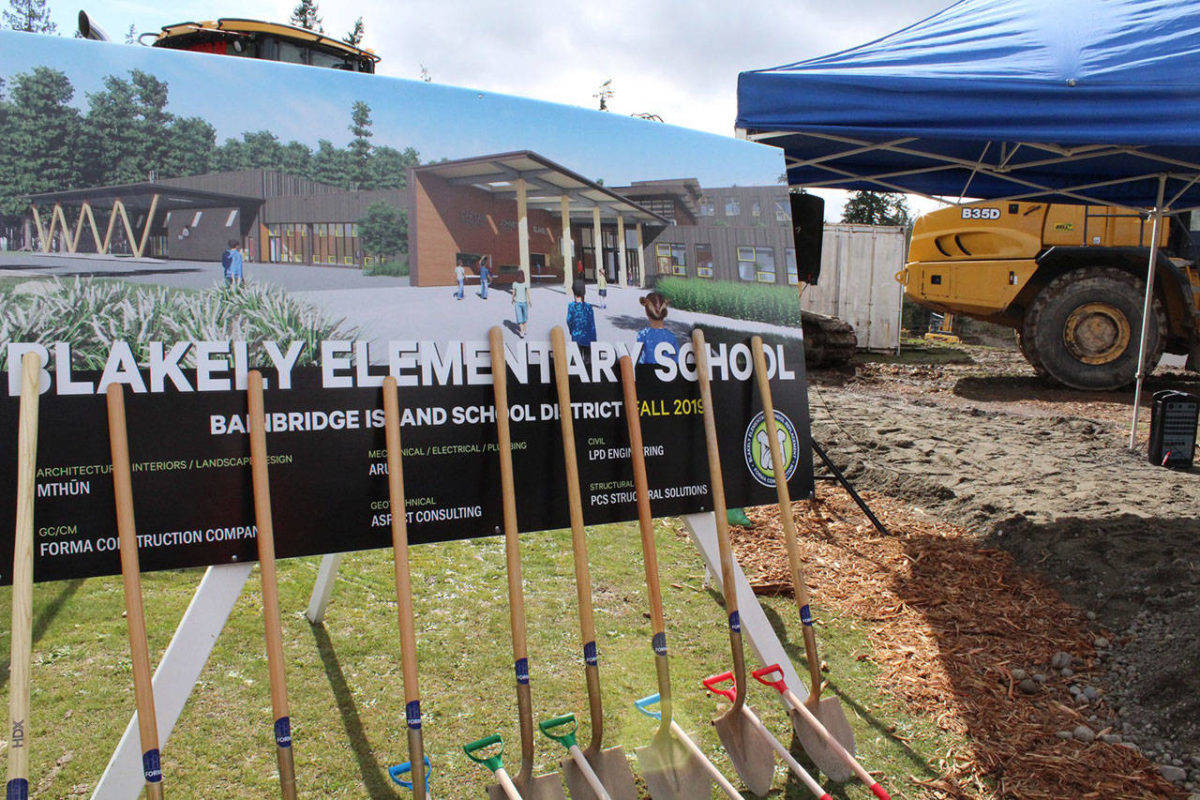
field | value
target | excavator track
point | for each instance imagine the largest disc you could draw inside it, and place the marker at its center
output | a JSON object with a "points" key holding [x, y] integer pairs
{"points": [[828, 341]]}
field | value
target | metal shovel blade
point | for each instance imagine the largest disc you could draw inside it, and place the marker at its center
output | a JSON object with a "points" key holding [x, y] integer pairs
{"points": [[749, 751], [545, 787], [825, 757], [610, 766], [671, 771]]}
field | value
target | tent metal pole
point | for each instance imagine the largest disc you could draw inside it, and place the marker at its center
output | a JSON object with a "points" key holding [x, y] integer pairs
{"points": [[1156, 218]]}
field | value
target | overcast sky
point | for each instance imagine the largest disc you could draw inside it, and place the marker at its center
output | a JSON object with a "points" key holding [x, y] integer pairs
{"points": [[677, 59]]}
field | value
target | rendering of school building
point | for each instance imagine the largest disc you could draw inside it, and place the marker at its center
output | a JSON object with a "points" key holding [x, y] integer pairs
{"points": [[519, 209]]}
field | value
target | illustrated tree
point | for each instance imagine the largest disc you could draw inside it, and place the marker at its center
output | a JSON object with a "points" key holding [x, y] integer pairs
{"points": [[131, 35], [383, 230], [355, 36], [191, 142], [40, 148], [876, 208], [332, 165], [31, 16], [389, 166], [306, 15], [360, 145]]}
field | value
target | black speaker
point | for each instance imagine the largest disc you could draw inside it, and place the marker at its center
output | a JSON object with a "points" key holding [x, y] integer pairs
{"points": [[1173, 419], [808, 231]]}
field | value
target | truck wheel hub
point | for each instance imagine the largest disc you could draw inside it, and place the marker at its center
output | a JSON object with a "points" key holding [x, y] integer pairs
{"points": [[1096, 333]]}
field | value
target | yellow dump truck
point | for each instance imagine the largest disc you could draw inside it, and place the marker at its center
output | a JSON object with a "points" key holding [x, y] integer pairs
{"points": [[1069, 278]]}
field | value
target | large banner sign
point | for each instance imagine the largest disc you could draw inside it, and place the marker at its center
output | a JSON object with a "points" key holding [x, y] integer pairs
{"points": [[158, 233]]}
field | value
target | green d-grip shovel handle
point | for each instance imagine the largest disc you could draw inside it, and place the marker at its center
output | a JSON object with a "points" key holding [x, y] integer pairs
{"points": [[567, 739], [493, 761]]}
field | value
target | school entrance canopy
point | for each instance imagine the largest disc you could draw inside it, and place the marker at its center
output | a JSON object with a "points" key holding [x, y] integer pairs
{"points": [[1091, 101], [146, 199]]}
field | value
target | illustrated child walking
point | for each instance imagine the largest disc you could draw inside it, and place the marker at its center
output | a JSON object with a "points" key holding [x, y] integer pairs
{"points": [[602, 287], [231, 263], [460, 275], [521, 302], [581, 319], [658, 343], [484, 275]]}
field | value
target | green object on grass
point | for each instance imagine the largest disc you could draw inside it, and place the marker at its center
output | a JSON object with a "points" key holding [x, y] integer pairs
{"points": [[737, 516]]}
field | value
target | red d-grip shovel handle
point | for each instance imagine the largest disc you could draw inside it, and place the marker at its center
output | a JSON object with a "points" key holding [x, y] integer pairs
{"points": [[713, 681], [761, 675]]}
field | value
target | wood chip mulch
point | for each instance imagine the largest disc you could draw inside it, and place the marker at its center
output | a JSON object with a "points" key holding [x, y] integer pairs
{"points": [[948, 621]]}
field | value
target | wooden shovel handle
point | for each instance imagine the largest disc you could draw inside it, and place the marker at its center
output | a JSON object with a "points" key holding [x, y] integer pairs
{"points": [[20, 657], [404, 609], [512, 555], [131, 576], [720, 513], [579, 547], [265, 539], [799, 584], [641, 487]]}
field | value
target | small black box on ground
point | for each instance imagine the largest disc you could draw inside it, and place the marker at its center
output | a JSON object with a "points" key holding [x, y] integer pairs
{"points": [[1173, 419]]}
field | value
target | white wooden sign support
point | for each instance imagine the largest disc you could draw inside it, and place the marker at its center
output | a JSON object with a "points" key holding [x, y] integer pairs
{"points": [[176, 676]]}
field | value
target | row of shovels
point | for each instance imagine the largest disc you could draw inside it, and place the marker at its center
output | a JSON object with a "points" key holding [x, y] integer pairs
{"points": [[672, 765]]}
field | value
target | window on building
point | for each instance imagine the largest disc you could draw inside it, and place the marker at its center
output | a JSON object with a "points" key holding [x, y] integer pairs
{"points": [[196, 218], [782, 212], [755, 211], [793, 274], [232, 216], [286, 243], [704, 261], [672, 258], [707, 207], [337, 243], [756, 264], [732, 207]]}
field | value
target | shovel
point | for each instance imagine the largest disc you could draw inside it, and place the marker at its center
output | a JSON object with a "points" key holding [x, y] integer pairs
{"points": [[609, 766], [713, 682], [773, 676], [828, 711], [545, 787], [645, 706], [21, 649], [670, 768], [398, 773], [748, 750], [417, 766], [492, 760], [557, 729]]}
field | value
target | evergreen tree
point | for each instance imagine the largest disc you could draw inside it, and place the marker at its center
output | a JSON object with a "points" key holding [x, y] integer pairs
{"points": [[131, 36], [43, 131], [383, 231], [297, 159], [191, 142], [306, 15], [355, 36], [32, 16], [876, 208], [153, 123], [360, 146], [230, 156], [389, 166], [331, 165]]}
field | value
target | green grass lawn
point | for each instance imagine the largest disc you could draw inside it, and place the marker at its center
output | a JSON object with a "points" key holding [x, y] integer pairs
{"points": [[345, 685]]}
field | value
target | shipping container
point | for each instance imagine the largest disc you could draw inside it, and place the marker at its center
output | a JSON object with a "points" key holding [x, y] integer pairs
{"points": [[858, 281]]}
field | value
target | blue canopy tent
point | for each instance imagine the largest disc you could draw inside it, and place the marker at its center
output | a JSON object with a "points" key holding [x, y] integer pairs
{"points": [[1092, 101]]}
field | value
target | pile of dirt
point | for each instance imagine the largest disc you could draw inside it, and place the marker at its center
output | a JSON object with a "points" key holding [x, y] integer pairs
{"points": [[966, 637], [1042, 472]]}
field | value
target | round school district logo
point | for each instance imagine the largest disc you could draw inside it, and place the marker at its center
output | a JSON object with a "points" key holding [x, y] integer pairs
{"points": [[757, 448]]}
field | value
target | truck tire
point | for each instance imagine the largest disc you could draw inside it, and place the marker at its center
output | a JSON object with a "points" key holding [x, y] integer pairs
{"points": [[1026, 345], [1085, 328]]}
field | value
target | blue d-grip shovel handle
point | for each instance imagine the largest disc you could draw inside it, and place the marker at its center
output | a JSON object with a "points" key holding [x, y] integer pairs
{"points": [[404, 769], [644, 704]]}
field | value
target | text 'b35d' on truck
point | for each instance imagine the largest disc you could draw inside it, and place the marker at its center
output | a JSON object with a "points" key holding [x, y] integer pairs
{"points": [[1069, 278]]}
